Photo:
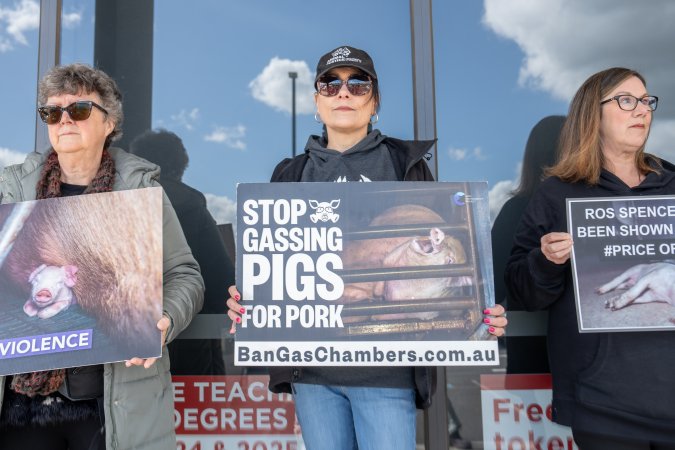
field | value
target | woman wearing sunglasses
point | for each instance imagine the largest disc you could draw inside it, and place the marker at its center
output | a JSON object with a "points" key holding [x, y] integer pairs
{"points": [[615, 390], [120, 405], [345, 408]]}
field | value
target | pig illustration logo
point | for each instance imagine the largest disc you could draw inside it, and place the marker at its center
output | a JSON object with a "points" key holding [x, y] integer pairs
{"points": [[324, 211], [51, 291]]}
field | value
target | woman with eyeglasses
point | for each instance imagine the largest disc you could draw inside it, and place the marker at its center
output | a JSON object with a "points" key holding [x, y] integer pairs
{"points": [[345, 408], [120, 405], [615, 390]]}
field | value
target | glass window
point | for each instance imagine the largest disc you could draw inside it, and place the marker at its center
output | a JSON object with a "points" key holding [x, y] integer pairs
{"points": [[221, 83], [19, 22], [77, 31], [505, 73]]}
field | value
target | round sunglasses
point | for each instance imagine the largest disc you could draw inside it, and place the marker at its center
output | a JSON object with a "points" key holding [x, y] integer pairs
{"points": [[80, 110], [356, 85]]}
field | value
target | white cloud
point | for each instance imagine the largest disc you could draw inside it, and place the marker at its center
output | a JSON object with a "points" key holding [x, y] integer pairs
{"points": [[501, 191], [8, 157], [461, 154], [498, 195], [565, 41], [186, 119], [230, 136], [223, 209], [71, 20], [273, 87], [22, 17]]}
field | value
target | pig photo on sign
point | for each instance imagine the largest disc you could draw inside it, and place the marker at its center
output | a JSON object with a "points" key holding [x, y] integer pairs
{"points": [[437, 248], [51, 290], [92, 257]]}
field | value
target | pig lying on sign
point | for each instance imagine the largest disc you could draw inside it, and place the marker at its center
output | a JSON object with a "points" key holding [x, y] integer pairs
{"points": [[51, 292], [436, 248]]}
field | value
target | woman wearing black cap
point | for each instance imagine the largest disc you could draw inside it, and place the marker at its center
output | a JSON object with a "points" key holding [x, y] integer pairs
{"points": [[346, 407]]}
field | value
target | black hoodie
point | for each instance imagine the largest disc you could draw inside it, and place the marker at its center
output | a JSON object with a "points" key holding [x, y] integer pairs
{"points": [[615, 384], [409, 165]]}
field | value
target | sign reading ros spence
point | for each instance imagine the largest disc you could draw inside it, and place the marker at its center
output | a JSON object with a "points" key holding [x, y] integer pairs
{"points": [[623, 262], [381, 273]]}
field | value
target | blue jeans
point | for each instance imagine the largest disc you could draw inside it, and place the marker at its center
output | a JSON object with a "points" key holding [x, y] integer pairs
{"points": [[351, 418]]}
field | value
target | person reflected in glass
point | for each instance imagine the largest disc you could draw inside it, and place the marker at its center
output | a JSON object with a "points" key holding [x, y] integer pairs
{"points": [[615, 390], [525, 354], [345, 408], [166, 149], [119, 405]]}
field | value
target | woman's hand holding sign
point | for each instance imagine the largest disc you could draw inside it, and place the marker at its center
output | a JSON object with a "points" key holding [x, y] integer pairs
{"points": [[557, 247], [235, 310]]}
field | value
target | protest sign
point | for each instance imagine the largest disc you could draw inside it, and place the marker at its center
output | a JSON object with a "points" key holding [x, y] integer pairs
{"points": [[81, 280], [517, 414], [623, 262], [381, 273], [233, 412]]}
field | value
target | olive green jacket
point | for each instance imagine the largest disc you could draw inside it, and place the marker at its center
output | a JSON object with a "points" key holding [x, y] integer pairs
{"points": [[138, 402]]}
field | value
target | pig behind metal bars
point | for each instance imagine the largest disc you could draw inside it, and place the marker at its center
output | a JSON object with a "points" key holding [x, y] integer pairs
{"points": [[405, 251]]}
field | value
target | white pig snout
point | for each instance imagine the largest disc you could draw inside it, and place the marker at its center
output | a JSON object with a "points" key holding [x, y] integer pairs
{"points": [[43, 296], [51, 288]]}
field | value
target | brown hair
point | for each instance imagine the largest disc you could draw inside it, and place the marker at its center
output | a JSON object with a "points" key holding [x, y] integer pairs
{"points": [[581, 157]]}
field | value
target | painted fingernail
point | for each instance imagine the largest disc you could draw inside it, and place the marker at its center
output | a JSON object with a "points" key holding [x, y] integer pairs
{"points": [[491, 329], [242, 310], [236, 297], [486, 311], [238, 320], [486, 320]]}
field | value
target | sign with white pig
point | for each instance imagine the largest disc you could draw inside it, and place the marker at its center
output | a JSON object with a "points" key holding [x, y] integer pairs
{"points": [[623, 262], [364, 274], [81, 280]]}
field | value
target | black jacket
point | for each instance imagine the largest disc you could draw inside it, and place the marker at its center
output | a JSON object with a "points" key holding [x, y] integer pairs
{"points": [[616, 384], [408, 158], [200, 356]]}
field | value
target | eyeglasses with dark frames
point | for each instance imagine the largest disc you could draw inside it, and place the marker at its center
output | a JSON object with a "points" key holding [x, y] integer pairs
{"points": [[329, 86], [80, 110], [629, 102]]}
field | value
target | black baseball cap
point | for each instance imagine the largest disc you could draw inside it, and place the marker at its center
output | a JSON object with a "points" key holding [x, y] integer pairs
{"points": [[345, 56]]}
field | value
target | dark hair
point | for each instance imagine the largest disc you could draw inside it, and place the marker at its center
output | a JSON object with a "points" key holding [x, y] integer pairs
{"points": [[78, 78], [581, 157], [163, 148], [540, 153]]}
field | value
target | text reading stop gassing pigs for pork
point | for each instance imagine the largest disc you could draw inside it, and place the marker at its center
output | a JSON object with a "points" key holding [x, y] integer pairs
{"points": [[623, 262], [287, 248], [361, 274]]}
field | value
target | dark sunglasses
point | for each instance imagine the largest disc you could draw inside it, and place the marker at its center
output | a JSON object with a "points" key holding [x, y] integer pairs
{"points": [[329, 86], [77, 111]]}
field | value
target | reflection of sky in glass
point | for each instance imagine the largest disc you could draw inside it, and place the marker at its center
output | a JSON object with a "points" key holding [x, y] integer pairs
{"points": [[18, 77], [232, 109], [221, 76]]}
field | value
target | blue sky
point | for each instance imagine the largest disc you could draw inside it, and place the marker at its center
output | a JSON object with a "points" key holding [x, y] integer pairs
{"points": [[220, 75]]}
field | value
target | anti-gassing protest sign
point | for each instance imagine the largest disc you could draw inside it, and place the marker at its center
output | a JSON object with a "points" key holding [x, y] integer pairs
{"points": [[381, 273], [517, 414], [81, 280], [623, 262]]}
